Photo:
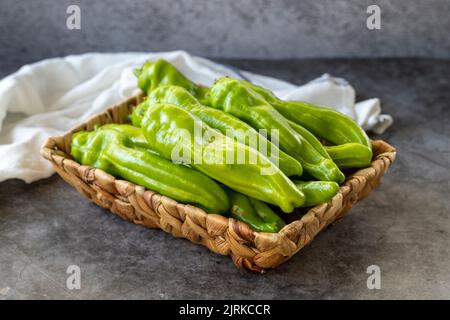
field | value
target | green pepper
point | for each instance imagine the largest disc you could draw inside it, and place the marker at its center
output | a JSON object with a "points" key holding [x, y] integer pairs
{"points": [[317, 192], [178, 135], [308, 136], [224, 122], [350, 155], [267, 214], [254, 212], [345, 156], [112, 151], [160, 72], [325, 123], [134, 135], [237, 98]]}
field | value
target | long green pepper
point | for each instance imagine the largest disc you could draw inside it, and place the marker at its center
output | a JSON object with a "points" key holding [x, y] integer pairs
{"points": [[255, 213], [134, 137], [251, 211], [238, 99], [317, 192], [176, 133], [325, 123], [217, 119], [154, 74], [175, 106], [350, 155], [111, 150], [345, 156]]}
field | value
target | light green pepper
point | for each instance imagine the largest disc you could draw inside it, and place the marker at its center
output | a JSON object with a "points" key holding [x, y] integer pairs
{"points": [[177, 134], [237, 98], [160, 72], [217, 119], [134, 135], [325, 123], [254, 212], [317, 192], [350, 155], [308, 136], [111, 150], [267, 214]]}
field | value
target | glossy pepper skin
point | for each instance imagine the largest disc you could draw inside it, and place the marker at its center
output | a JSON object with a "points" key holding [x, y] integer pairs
{"points": [[317, 192], [267, 214], [133, 135], [320, 121], [160, 72], [112, 151], [350, 155], [308, 136], [217, 119], [239, 99], [171, 130], [255, 213], [325, 123], [345, 156]]}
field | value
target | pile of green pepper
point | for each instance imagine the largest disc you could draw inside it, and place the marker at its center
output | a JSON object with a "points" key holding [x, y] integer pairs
{"points": [[181, 136]]}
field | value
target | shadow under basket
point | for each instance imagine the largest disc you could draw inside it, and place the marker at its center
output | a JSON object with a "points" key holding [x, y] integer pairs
{"points": [[251, 250]]}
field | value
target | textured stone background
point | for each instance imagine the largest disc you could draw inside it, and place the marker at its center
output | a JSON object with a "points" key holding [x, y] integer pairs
{"points": [[32, 30], [403, 226]]}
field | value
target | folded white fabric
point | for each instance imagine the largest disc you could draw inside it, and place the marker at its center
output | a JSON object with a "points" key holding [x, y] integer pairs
{"points": [[49, 97]]}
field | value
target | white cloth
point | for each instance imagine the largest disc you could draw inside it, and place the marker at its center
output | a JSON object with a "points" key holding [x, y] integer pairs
{"points": [[49, 97]]}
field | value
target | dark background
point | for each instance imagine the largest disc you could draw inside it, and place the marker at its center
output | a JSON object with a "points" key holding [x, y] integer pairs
{"points": [[33, 30], [403, 226]]}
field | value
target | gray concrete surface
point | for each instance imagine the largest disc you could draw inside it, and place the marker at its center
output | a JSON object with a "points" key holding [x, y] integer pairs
{"points": [[32, 30], [403, 226]]}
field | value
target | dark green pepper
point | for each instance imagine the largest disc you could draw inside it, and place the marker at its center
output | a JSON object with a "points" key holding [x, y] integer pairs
{"points": [[325, 123], [317, 192], [345, 156], [350, 155], [308, 136], [239, 99], [267, 214], [178, 135], [112, 151], [160, 72], [254, 212], [224, 122]]}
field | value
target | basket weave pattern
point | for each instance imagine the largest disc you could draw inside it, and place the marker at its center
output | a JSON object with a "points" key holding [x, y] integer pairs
{"points": [[251, 250]]}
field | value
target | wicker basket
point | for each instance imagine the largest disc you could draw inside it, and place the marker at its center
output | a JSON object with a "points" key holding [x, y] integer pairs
{"points": [[251, 250]]}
